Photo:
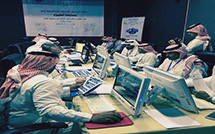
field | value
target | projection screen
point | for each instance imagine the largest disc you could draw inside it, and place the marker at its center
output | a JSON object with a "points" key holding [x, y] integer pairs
{"points": [[64, 17]]}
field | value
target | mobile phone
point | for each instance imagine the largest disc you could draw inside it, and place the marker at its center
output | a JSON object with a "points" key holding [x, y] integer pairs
{"points": [[211, 116]]}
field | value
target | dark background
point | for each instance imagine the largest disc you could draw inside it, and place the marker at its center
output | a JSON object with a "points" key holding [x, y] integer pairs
{"points": [[202, 11], [165, 19]]}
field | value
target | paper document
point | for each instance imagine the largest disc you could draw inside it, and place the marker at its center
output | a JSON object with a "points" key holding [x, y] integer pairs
{"points": [[171, 118], [103, 89], [200, 85], [213, 79], [74, 56], [78, 68]]}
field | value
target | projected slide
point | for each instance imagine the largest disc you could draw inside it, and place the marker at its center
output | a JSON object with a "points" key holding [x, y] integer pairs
{"points": [[64, 17]]}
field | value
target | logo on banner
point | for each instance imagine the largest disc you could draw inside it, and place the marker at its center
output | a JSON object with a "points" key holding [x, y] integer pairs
{"points": [[38, 0], [132, 31], [132, 28]]}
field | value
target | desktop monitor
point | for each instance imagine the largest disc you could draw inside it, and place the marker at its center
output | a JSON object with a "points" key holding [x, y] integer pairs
{"points": [[130, 89], [172, 87], [79, 47], [100, 65], [122, 60], [103, 50]]}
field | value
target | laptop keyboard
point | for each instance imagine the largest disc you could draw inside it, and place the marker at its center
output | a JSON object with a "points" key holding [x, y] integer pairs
{"points": [[98, 104], [81, 73]]}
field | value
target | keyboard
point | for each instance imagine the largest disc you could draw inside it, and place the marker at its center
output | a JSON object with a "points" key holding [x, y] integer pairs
{"points": [[203, 104], [98, 104], [81, 73]]}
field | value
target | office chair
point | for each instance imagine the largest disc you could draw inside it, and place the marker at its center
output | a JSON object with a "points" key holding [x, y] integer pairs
{"points": [[208, 58], [10, 61], [55, 126]]}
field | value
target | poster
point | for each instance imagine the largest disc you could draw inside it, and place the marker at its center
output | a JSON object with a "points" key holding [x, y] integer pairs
{"points": [[132, 28], [64, 17]]}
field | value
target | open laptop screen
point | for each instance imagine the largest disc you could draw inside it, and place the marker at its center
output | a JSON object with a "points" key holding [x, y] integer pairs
{"points": [[122, 60], [100, 65], [79, 47], [127, 85], [130, 89]]}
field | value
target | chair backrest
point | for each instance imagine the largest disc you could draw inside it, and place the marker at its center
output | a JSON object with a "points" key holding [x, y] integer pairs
{"points": [[3, 123], [55, 126], [208, 58], [22, 47], [3, 117], [9, 61]]}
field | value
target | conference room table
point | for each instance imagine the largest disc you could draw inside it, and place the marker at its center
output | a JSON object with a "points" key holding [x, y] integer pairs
{"points": [[145, 123]]}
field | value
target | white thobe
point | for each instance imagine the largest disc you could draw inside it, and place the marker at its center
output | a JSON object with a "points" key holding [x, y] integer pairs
{"points": [[145, 59], [177, 67], [197, 45], [39, 100]]}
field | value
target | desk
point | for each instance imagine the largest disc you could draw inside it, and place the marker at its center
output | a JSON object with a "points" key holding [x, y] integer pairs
{"points": [[145, 124]]}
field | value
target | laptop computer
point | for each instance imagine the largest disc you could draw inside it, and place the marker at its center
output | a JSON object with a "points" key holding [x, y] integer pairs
{"points": [[99, 68]]}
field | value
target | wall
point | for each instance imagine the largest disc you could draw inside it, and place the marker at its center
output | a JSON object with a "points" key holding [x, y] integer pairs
{"points": [[11, 22], [164, 20], [201, 11]]}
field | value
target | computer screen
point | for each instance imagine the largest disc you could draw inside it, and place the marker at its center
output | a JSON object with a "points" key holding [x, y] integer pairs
{"points": [[122, 60], [130, 89], [79, 47], [174, 88], [100, 65], [103, 50]]}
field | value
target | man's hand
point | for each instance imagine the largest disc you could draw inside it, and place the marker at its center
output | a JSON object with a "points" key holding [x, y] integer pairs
{"points": [[80, 80], [79, 83], [107, 117]]}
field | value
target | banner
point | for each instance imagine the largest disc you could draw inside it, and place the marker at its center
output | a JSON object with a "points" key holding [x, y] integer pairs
{"points": [[132, 28], [64, 17]]}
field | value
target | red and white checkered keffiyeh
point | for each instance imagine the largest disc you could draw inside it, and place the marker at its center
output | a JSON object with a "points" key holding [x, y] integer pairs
{"points": [[31, 66], [148, 48], [200, 30], [197, 62], [40, 36], [183, 53]]}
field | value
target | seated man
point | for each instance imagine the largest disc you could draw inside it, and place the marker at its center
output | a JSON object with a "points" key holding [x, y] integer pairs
{"points": [[40, 42], [46, 45], [181, 63], [54, 40], [40, 36], [176, 41], [201, 41], [130, 49], [37, 98], [116, 46], [37, 46], [147, 55], [106, 41]]}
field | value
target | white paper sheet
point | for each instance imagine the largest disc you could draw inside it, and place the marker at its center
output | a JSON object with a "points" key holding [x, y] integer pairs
{"points": [[78, 68], [171, 118], [200, 84], [103, 89]]}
